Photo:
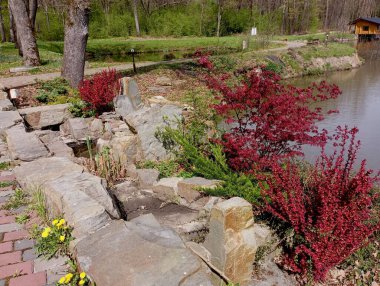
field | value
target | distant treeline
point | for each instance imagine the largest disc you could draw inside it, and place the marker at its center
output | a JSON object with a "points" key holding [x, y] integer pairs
{"points": [[115, 18]]}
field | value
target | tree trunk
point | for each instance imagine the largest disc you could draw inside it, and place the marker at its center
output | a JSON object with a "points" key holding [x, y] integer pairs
{"points": [[2, 28], [219, 18], [135, 13], [33, 5], [25, 33], [76, 34], [327, 14], [12, 32]]}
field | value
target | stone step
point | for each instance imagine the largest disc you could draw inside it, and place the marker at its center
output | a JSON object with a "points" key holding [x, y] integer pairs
{"points": [[8, 119], [6, 105], [24, 146], [139, 253]]}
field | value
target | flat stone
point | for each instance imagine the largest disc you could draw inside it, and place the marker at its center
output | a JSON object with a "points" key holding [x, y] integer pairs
{"points": [[146, 121], [24, 146], [130, 99], [9, 119], [58, 148], [126, 149], [78, 128], [29, 254], [44, 116], [6, 193], [189, 188], [6, 105], [58, 175], [55, 263], [23, 244], [10, 227], [167, 189], [21, 69], [164, 81], [147, 177], [142, 254]]}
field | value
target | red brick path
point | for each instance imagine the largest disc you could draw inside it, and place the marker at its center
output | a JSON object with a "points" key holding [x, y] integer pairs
{"points": [[16, 269]]}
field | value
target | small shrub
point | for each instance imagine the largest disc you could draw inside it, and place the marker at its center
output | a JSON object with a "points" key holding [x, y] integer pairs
{"points": [[54, 239], [331, 210], [50, 90], [274, 67], [100, 90], [169, 57]]}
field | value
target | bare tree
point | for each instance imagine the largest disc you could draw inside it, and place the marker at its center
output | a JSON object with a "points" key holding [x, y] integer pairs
{"points": [[33, 5], [25, 33], [136, 15], [2, 27], [219, 19], [75, 42]]}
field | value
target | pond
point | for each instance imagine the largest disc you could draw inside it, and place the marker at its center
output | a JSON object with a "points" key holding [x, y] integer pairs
{"points": [[359, 105]]}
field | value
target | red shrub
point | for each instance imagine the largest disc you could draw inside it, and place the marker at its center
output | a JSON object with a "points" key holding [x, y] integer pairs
{"points": [[100, 90], [331, 209], [271, 120]]}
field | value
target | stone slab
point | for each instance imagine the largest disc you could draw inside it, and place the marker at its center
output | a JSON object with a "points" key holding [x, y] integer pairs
{"points": [[6, 105], [130, 254], [9, 119], [44, 116], [24, 146]]}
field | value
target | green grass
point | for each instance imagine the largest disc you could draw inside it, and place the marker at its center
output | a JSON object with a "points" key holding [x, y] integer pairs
{"points": [[18, 199], [319, 36], [331, 50], [4, 165]]}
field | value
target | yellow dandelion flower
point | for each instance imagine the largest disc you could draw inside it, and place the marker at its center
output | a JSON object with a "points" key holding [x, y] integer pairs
{"points": [[55, 221], [62, 238], [62, 280], [45, 234], [62, 221], [68, 277], [47, 229], [81, 282], [82, 275]]}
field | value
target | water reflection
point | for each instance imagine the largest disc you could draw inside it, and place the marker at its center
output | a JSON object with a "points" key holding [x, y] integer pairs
{"points": [[359, 105]]}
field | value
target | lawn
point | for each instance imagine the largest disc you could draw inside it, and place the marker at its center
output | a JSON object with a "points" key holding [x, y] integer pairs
{"points": [[319, 36]]}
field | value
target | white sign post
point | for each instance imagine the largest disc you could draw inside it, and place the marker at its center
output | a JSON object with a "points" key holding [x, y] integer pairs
{"points": [[254, 31]]}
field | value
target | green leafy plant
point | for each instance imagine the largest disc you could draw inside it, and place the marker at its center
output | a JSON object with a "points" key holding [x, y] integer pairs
{"points": [[6, 184], [168, 168], [54, 239], [50, 90], [18, 199], [4, 165], [22, 218]]}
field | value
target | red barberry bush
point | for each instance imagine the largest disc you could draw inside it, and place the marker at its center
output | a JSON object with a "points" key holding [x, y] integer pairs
{"points": [[99, 91], [331, 208], [271, 120]]}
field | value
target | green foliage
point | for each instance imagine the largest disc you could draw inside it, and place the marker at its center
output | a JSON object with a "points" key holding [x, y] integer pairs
{"points": [[54, 240], [274, 67], [18, 199], [38, 204], [73, 278], [22, 218], [211, 164], [4, 165], [50, 91], [167, 168], [224, 63], [6, 184]]}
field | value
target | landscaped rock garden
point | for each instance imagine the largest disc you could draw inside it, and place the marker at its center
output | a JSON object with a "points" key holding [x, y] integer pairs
{"points": [[133, 212]]}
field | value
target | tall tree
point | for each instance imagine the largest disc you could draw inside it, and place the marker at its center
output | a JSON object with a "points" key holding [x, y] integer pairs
{"points": [[25, 33], [2, 27], [32, 10], [75, 42]]}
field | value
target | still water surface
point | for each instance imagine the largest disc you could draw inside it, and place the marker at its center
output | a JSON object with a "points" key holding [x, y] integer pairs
{"points": [[359, 105]]}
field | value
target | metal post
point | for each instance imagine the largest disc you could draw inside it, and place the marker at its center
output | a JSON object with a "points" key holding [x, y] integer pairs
{"points": [[133, 60]]}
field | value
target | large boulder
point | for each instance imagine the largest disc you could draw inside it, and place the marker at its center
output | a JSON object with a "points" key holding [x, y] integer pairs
{"points": [[57, 174], [139, 253], [82, 128], [6, 105], [146, 121], [24, 146]]}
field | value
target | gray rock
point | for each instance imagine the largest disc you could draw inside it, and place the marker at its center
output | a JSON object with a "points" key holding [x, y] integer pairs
{"points": [[29, 254], [61, 178], [189, 188], [44, 116], [23, 244], [6, 105], [164, 81], [146, 121], [147, 177], [55, 263], [166, 189], [142, 254], [126, 149], [96, 127], [126, 190], [3, 94], [77, 128], [130, 99], [24, 146], [8, 119], [58, 148]]}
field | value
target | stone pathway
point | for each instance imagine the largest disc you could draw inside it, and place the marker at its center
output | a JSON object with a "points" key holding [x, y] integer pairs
{"points": [[19, 265]]}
